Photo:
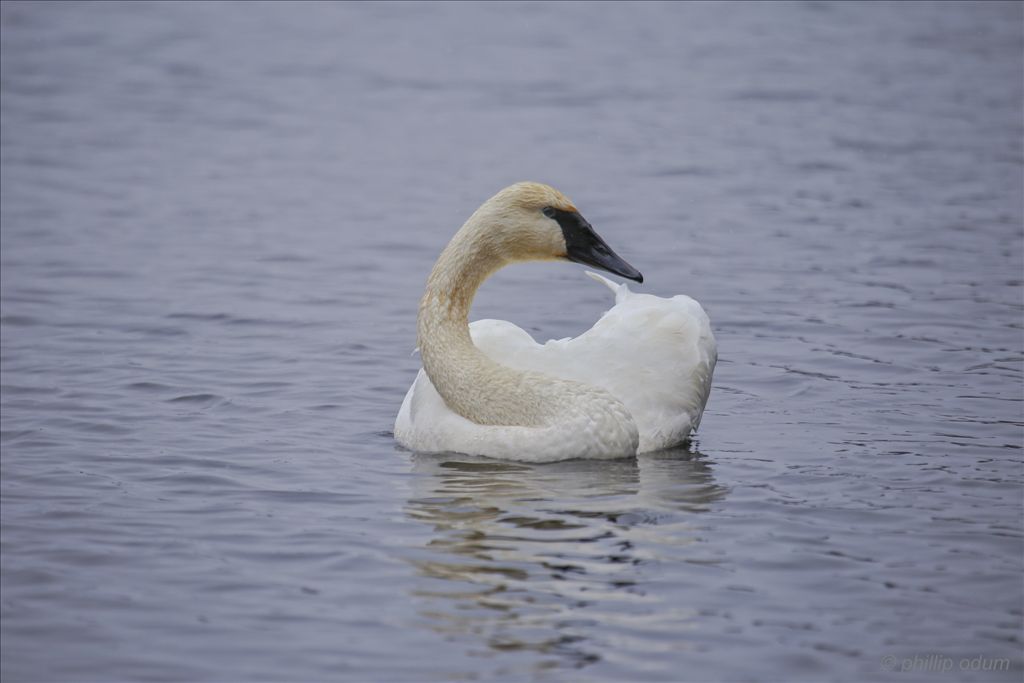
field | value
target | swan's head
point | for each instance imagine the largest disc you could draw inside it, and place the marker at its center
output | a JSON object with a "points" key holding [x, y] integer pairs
{"points": [[533, 221]]}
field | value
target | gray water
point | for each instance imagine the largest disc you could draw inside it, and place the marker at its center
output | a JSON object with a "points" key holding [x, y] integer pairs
{"points": [[216, 223]]}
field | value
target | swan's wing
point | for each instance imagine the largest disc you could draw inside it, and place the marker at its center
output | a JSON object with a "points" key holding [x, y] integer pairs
{"points": [[706, 357], [655, 355]]}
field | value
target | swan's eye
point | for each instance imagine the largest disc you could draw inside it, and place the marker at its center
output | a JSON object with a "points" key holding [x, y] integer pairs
{"points": [[548, 211]]}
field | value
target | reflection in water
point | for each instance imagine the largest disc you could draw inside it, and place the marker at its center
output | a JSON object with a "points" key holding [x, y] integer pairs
{"points": [[530, 558]]}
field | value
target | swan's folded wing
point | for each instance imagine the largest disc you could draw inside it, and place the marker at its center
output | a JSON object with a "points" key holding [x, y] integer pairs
{"points": [[659, 357]]}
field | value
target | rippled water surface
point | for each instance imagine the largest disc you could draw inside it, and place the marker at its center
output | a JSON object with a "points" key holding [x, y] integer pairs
{"points": [[216, 223]]}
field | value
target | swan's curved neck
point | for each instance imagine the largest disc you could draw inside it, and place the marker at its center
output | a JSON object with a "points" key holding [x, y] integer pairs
{"points": [[472, 384], [460, 270]]}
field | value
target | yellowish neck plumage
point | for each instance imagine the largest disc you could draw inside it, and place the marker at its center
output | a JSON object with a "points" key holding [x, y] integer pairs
{"points": [[472, 384]]}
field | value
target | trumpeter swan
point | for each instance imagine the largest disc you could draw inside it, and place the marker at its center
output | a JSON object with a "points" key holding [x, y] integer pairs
{"points": [[636, 381]]}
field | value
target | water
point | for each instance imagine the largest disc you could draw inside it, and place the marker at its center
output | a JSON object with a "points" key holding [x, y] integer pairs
{"points": [[217, 220]]}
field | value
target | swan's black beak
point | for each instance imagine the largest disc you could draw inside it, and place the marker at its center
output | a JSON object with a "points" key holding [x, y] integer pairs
{"points": [[583, 245]]}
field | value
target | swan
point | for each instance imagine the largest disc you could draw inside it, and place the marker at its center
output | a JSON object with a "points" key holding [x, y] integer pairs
{"points": [[637, 381]]}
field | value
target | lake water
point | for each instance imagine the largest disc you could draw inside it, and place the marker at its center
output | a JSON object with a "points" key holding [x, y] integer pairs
{"points": [[217, 220]]}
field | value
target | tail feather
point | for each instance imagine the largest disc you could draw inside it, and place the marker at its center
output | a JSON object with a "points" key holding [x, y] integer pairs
{"points": [[621, 291]]}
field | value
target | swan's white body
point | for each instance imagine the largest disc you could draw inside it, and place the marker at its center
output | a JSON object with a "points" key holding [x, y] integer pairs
{"points": [[636, 381], [655, 355]]}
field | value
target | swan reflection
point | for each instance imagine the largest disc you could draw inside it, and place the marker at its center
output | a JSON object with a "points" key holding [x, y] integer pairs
{"points": [[530, 558]]}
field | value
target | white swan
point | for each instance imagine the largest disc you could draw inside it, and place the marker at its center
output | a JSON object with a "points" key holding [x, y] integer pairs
{"points": [[636, 381]]}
